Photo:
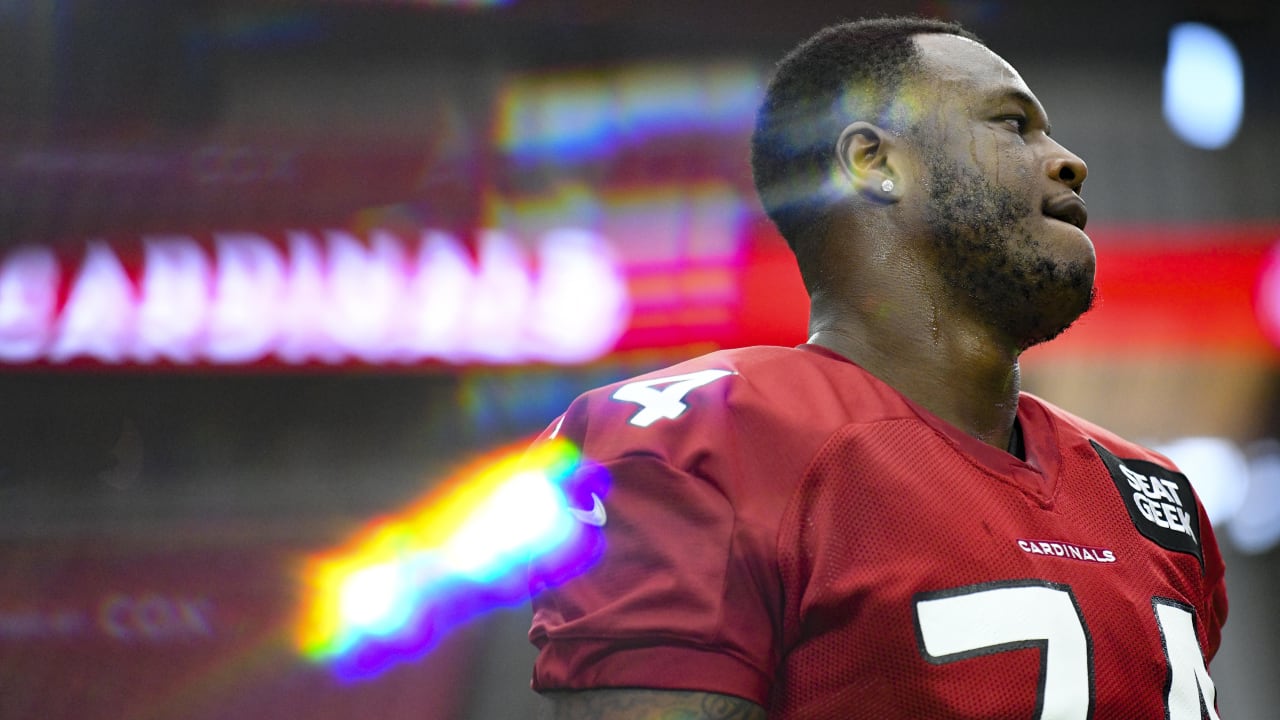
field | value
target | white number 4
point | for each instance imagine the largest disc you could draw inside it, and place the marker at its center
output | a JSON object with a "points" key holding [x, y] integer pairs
{"points": [[668, 402]]}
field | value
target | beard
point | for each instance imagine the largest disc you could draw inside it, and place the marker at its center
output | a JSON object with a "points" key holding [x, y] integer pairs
{"points": [[998, 268]]}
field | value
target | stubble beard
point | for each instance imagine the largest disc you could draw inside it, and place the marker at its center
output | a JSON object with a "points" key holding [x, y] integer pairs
{"points": [[998, 269]]}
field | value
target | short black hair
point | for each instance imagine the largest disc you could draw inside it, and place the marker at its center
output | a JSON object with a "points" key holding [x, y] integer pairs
{"points": [[846, 72]]}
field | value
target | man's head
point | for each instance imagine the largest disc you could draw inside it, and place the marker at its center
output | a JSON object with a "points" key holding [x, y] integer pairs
{"points": [[853, 71], [912, 131]]}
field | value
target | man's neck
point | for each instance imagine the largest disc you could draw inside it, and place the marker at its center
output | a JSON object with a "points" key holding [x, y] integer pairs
{"points": [[955, 372]]}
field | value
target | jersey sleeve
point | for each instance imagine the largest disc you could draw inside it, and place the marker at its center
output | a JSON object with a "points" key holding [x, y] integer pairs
{"points": [[1214, 605], [684, 594], [1211, 610]]}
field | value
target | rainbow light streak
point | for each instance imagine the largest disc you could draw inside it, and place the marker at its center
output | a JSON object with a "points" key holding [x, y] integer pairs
{"points": [[580, 116], [402, 584]]}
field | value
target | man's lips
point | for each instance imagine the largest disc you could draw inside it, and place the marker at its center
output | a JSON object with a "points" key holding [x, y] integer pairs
{"points": [[1068, 208]]}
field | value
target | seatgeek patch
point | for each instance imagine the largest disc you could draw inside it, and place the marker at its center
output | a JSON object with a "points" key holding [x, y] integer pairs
{"points": [[1159, 501]]}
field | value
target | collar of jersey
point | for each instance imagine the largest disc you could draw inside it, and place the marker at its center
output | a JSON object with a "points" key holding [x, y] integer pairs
{"points": [[1036, 476]]}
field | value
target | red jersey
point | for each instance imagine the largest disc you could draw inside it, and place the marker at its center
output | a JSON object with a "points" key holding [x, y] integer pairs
{"points": [[782, 526]]}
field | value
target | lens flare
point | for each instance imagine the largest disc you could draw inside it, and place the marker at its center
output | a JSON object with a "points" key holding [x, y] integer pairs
{"points": [[402, 584]]}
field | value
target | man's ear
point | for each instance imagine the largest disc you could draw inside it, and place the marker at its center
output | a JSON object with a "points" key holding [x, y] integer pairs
{"points": [[867, 158]]}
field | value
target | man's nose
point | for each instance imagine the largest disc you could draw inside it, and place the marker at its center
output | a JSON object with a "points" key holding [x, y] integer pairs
{"points": [[1067, 168]]}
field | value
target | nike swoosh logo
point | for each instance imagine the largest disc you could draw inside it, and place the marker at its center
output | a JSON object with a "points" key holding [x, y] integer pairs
{"points": [[595, 516]]}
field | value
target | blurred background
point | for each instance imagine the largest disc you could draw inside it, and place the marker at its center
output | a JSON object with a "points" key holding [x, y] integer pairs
{"points": [[273, 271]]}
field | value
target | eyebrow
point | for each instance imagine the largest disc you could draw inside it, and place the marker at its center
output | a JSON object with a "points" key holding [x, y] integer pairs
{"points": [[1028, 101]]}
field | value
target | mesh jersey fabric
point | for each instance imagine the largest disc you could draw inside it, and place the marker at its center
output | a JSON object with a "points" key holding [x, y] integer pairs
{"points": [[800, 534]]}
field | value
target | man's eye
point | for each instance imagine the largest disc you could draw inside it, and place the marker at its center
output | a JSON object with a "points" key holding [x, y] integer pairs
{"points": [[1018, 122]]}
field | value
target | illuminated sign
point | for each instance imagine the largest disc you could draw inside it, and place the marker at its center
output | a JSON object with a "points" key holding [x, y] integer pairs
{"points": [[242, 297], [686, 271]]}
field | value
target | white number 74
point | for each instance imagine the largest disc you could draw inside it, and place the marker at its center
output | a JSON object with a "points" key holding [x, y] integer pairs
{"points": [[966, 622]]}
